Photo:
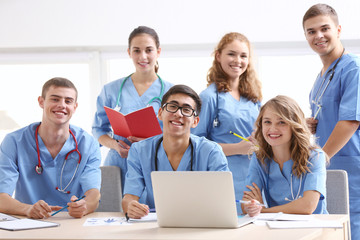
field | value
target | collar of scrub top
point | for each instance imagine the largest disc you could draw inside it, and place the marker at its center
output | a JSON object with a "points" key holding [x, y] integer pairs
{"points": [[159, 98], [267, 191], [39, 168], [332, 71], [157, 149]]}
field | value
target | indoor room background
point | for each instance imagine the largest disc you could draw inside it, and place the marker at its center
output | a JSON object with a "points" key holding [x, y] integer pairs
{"points": [[86, 42]]}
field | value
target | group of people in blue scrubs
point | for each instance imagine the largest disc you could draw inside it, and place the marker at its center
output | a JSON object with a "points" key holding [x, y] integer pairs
{"points": [[276, 164]]}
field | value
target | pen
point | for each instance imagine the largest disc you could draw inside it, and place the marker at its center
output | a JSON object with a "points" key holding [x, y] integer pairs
{"points": [[247, 202], [67, 206], [239, 136]]}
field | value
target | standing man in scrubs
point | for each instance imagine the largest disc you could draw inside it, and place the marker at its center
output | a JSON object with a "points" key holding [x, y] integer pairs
{"points": [[138, 90], [174, 150], [335, 101], [231, 102], [51, 163]]}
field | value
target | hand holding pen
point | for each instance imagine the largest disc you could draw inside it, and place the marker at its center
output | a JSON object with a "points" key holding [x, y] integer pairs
{"points": [[253, 207], [73, 200]]}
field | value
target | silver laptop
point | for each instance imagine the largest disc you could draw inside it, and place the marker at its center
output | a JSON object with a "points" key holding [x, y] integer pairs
{"points": [[196, 199]]}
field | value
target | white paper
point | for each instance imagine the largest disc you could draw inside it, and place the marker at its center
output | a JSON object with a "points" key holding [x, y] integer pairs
{"points": [[5, 217], [151, 217], [305, 224], [284, 217], [23, 224], [105, 221]]}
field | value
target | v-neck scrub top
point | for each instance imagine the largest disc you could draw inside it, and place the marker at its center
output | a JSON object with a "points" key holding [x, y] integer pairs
{"points": [[281, 186], [341, 101], [236, 116], [208, 156], [130, 101]]}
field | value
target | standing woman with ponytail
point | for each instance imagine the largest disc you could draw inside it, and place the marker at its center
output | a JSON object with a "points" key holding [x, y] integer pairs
{"points": [[136, 91], [231, 102]]}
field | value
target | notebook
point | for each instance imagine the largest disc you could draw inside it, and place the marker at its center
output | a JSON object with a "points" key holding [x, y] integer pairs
{"points": [[196, 199]]}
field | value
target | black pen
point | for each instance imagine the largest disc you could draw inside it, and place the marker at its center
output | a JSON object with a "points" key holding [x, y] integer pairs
{"points": [[67, 206]]}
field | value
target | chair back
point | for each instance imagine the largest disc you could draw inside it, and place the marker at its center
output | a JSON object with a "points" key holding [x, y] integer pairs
{"points": [[110, 189], [337, 191]]}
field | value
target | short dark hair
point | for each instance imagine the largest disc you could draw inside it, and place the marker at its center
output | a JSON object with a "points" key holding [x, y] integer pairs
{"points": [[58, 82], [183, 89], [319, 10]]}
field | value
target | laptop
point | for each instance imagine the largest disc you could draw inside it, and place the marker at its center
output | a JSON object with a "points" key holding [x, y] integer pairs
{"points": [[196, 199]]}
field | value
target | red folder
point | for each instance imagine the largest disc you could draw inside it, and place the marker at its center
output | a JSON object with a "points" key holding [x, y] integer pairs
{"points": [[142, 123]]}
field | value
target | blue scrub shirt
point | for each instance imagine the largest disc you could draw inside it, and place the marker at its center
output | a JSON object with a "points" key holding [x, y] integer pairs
{"points": [[18, 158], [276, 183], [341, 101], [236, 116], [208, 156], [130, 101]]}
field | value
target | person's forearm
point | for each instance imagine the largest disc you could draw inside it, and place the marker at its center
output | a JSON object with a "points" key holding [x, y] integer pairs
{"points": [[10, 205], [92, 200], [341, 134], [107, 141], [241, 148], [305, 205]]}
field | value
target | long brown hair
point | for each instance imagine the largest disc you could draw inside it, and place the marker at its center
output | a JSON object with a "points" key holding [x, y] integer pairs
{"points": [[250, 86], [300, 147]]}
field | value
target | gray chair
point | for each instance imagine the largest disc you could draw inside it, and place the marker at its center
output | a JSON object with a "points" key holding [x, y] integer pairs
{"points": [[337, 191], [110, 189]]}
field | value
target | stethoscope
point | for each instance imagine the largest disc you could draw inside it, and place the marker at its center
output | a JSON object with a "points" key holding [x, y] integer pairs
{"points": [[158, 98], [39, 169], [332, 71], [216, 122], [267, 192], [157, 149]]}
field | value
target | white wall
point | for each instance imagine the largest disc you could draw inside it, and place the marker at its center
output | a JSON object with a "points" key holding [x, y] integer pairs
{"points": [[84, 23]]}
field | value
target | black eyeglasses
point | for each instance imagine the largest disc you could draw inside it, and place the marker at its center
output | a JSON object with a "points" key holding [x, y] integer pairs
{"points": [[185, 111]]}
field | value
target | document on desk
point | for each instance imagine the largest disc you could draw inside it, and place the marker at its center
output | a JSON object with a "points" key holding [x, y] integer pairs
{"points": [[151, 217], [141, 123], [5, 217], [106, 221], [305, 224], [283, 217], [25, 223]]}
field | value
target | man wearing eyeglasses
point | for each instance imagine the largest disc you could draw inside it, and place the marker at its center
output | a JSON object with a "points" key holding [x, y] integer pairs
{"points": [[174, 150]]}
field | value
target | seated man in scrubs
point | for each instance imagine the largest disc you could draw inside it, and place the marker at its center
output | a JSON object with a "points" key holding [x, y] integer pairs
{"points": [[50, 164], [174, 150]]}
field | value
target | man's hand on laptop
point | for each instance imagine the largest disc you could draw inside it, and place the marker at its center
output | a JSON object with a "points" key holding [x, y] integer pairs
{"points": [[137, 210]]}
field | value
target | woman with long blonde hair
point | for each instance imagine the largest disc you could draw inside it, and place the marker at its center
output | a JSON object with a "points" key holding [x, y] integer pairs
{"points": [[287, 168], [231, 103]]}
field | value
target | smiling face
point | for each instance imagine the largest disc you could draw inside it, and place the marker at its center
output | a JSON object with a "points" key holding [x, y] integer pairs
{"points": [[58, 105], [277, 133], [176, 124], [322, 34], [144, 53], [234, 59]]}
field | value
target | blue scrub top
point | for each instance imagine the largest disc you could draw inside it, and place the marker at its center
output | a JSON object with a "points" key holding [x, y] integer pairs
{"points": [[341, 101], [237, 116], [276, 186], [208, 156], [130, 101], [18, 158]]}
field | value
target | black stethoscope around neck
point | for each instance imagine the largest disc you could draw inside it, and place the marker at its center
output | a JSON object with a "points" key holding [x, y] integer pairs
{"points": [[318, 97], [157, 149], [39, 169]]}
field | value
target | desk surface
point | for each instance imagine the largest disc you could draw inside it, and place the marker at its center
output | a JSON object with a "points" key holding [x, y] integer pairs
{"points": [[71, 228]]}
